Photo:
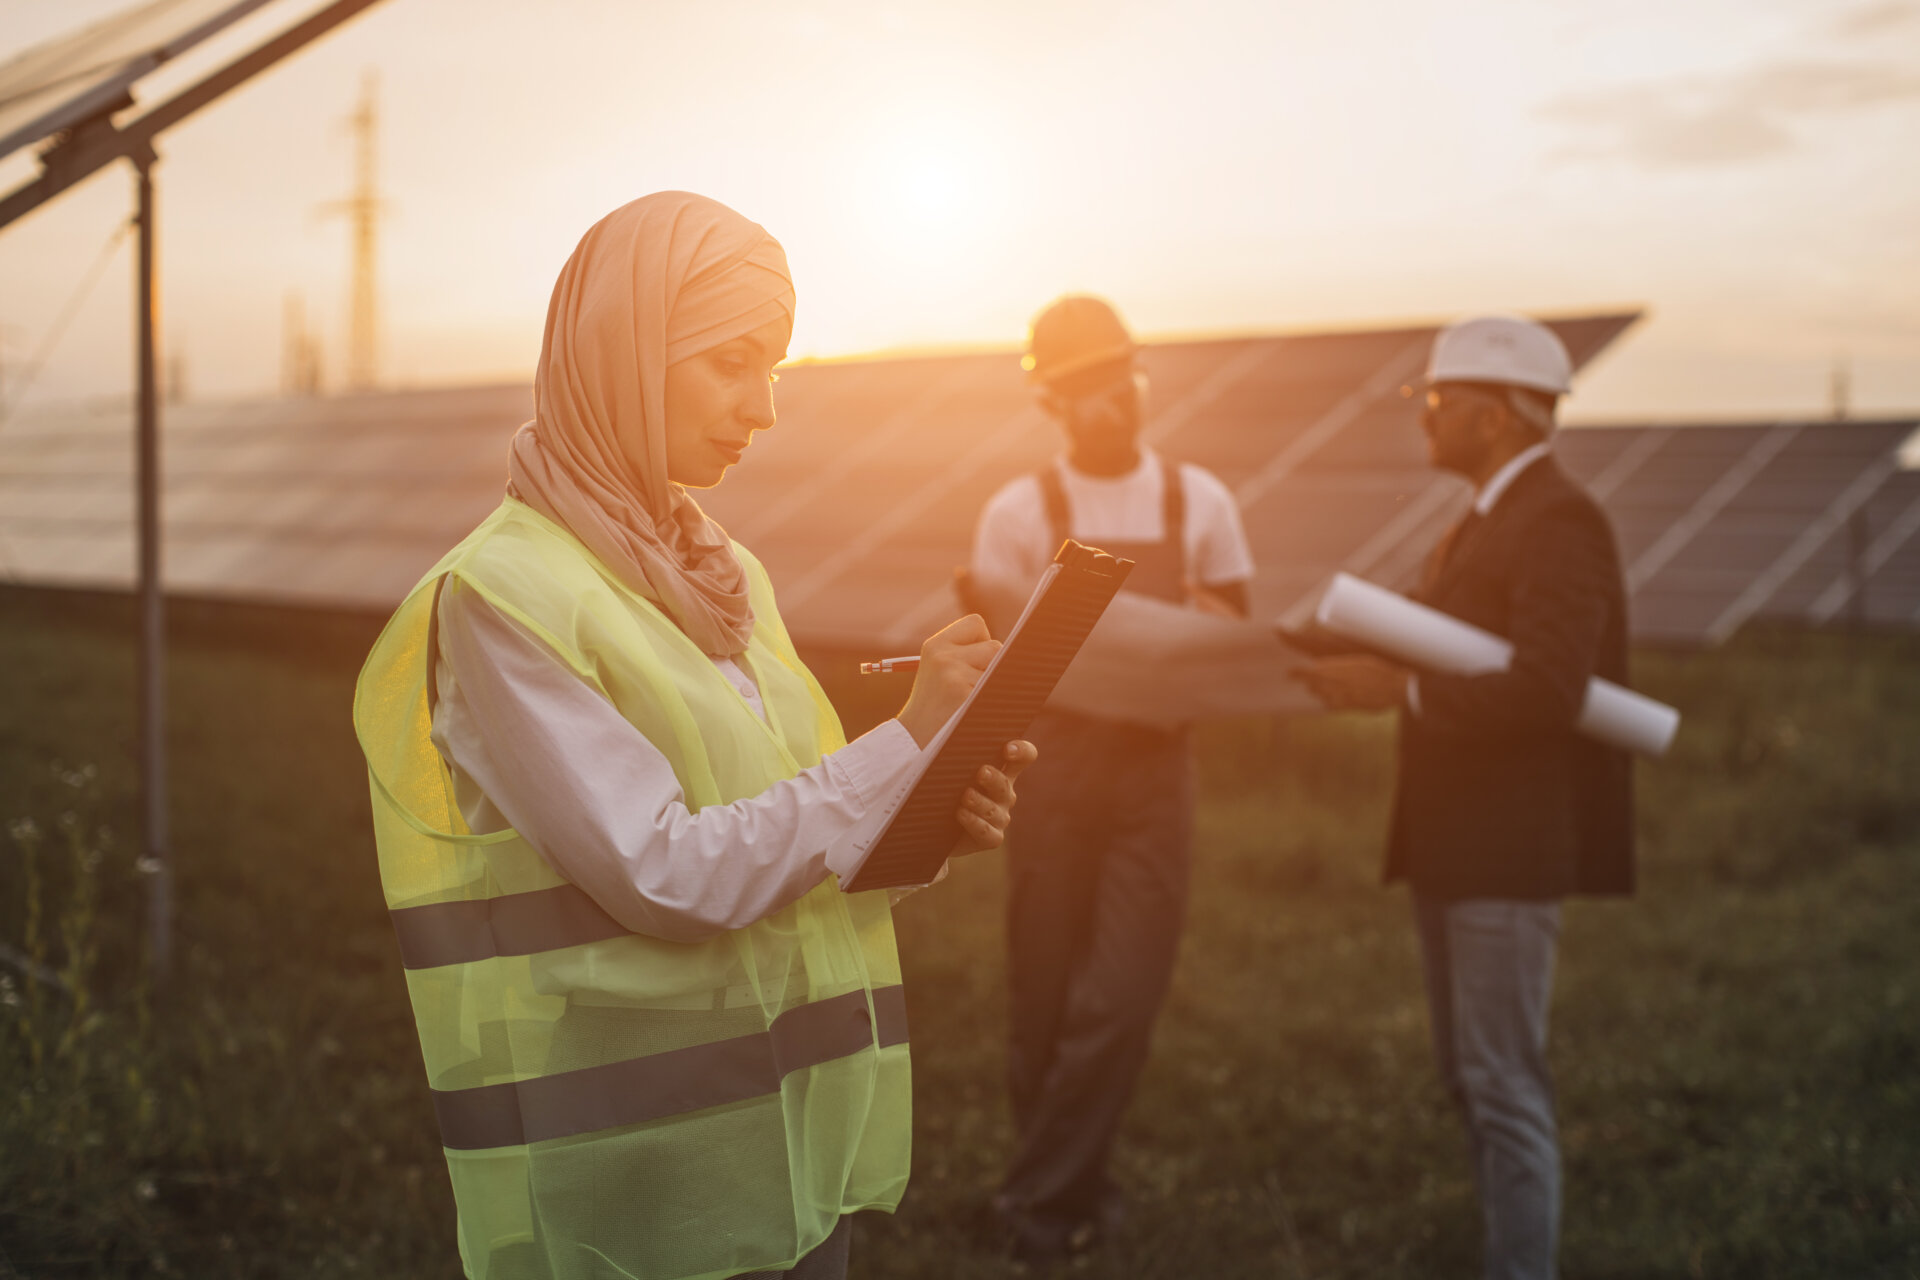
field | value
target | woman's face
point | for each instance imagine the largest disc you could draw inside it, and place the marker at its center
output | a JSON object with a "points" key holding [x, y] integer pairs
{"points": [[717, 399]]}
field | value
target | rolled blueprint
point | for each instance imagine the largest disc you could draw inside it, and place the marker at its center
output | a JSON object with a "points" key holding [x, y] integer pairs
{"points": [[1422, 637]]}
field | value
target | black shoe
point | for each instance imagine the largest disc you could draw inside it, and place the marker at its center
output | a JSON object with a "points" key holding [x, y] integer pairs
{"points": [[1042, 1240], [1112, 1213], [1031, 1238]]}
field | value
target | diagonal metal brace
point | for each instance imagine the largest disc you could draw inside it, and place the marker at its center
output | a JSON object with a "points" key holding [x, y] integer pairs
{"points": [[97, 143]]}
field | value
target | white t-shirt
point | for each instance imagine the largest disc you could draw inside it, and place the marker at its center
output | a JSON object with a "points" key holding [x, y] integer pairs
{"points": [[1013, 542]]}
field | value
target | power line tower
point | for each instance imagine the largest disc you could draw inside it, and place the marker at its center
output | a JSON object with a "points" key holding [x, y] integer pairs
{"points": [[363, 209], [299, 350]]}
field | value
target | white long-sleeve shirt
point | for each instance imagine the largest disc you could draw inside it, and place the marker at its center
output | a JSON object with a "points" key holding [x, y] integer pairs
{"points": [[533, 747]]}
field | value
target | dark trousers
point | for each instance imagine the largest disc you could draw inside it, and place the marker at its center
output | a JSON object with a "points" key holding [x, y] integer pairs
{"points": [[1097, 891], [826, 1261]]}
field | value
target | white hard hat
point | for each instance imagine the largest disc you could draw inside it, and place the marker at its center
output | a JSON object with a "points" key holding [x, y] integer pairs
{"points": [[1510, 350]]}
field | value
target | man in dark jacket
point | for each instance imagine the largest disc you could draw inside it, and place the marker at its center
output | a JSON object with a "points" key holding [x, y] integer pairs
{"points": [[1500, 809]]}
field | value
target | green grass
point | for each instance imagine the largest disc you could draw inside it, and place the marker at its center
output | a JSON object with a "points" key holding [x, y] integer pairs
{"points": [[1738, 1049]]}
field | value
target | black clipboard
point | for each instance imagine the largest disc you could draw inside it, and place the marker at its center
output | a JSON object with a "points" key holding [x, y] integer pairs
{"points": [[911, 832]]}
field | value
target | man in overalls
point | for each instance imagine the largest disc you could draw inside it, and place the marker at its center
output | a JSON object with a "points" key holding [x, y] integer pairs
{"points": [[1098, 871]]}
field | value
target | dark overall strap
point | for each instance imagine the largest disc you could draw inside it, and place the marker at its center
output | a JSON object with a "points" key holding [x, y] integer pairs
{"points": [[1173, 497], [1053, 495], [1173, 491]]}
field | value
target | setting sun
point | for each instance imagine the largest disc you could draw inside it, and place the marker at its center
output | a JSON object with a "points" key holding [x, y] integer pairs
{"points": [[933, 177], [934, 190]]}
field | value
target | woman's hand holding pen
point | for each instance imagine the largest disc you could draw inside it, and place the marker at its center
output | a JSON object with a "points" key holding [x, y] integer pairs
{"points": [[950, 665]]}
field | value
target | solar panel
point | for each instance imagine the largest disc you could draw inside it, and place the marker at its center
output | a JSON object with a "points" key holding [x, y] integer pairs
{"points": [[70, 80], [1720, 524], [864, 495]]}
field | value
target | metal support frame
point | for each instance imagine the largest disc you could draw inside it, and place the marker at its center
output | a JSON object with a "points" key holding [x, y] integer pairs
{"points": [[90, 149], [158, 860], [1857, 572], [84, 149]]}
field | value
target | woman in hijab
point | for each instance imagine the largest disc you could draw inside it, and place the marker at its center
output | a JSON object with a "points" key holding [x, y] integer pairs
{"points": [[612, 804]]}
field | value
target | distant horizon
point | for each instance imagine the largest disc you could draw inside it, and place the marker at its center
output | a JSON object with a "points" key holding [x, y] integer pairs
{"points": [[1572, 418]]}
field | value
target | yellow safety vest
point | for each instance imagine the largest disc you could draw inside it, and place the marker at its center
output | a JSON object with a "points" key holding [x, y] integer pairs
{"points": [[613, 1104]]}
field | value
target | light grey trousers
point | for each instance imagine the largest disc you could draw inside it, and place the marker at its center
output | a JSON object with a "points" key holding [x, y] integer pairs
{"points": [[1489, 977]]}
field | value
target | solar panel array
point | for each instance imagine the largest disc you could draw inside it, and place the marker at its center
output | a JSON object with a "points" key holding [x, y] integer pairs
{"points": [[65, 82], [862, 499], [1814, 521]]}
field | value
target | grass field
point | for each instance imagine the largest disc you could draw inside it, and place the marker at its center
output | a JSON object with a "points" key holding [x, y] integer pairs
{"points": [[1738, 1049]]}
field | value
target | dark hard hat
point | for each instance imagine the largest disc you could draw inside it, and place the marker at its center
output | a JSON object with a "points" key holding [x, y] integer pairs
{"points": [[1075, 332]]}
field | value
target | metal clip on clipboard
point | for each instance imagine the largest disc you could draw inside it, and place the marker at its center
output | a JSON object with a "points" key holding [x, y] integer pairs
{"points": [[911, 834]]}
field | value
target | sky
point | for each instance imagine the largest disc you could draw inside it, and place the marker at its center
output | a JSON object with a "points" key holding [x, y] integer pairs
{"points": [[1743, 169]]}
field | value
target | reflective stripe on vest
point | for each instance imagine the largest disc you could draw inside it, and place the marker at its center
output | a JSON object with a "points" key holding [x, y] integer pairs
{"points": [[513, 924], [671, 1083]]}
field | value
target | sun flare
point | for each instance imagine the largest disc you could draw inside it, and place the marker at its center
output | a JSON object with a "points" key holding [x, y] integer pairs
{"points": [[934, 178]]}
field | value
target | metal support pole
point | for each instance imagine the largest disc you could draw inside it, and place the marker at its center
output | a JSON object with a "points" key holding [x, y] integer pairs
{"points": [[153, 638], [1857, 570]]}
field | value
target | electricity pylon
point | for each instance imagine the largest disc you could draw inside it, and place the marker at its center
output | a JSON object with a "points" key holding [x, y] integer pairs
{"points": [[363, 209]]}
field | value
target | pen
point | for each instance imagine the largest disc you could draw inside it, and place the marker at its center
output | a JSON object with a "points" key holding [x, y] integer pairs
{"points": [[887, 666]]}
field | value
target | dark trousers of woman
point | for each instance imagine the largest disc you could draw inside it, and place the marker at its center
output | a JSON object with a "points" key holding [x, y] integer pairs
{"points": [[827, 1261], [1097, 893]]}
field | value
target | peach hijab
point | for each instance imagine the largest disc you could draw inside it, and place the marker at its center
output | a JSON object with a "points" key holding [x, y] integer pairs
{"points": [[655, 281]]}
